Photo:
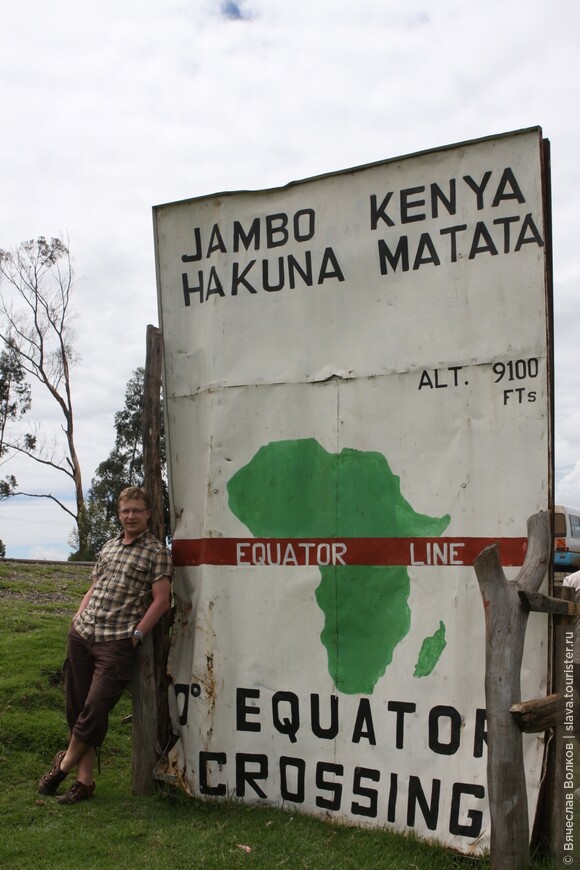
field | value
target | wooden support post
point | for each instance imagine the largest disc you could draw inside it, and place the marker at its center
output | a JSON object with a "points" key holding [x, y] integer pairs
{"points": [[505, 627], [151, 724], [154, 484], [144, 718], [152, 430]]}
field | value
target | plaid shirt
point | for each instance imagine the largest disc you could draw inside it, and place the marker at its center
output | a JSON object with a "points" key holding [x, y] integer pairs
{"points": [[122, 578]]}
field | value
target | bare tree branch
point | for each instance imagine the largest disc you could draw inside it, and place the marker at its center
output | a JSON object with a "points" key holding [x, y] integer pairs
{"points": [[41, 460], [53, 498], [36, 284]]}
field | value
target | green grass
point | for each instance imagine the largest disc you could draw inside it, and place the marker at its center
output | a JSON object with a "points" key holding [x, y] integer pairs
{"points": [[118, 829]]}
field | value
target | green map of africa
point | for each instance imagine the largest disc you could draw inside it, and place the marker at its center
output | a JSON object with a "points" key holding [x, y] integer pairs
{"points": [[296, 489]]}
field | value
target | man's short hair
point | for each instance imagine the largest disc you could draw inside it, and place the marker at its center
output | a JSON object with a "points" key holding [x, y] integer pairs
{"points": [[133, 492]]}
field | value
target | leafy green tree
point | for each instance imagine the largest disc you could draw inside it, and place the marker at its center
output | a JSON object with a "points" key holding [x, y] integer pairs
{"points": [[123, 467], [95, 528], [14, 403]]}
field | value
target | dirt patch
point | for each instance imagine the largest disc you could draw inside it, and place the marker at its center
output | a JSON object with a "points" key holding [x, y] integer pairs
{"points": [[43, 582], [36, 597]]}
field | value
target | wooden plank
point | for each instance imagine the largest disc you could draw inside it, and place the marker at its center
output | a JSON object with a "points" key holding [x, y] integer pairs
{"points": [[540, 714], [539, 603]]}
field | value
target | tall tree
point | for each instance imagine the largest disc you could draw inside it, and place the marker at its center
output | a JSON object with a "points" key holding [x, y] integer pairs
{"points": [[35, 320], [14, 403], [123, 467]]}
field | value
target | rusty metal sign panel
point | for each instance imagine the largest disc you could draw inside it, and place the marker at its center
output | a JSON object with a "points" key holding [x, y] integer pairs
{"points": [[357, 388]]}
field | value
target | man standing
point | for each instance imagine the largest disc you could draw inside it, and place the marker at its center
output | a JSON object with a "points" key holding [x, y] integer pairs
{"points": [[130, 592]]}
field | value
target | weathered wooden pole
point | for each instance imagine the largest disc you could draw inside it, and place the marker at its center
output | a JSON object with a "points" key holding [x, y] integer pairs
{"points": [[151, 725], [144, 718], [505, 627]]}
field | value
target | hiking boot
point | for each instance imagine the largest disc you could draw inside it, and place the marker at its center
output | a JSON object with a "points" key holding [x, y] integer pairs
{"points": [[50, 781], [76, 793]]}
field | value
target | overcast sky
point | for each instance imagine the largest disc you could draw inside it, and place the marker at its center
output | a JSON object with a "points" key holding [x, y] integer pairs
{"points": [[111, 108]]}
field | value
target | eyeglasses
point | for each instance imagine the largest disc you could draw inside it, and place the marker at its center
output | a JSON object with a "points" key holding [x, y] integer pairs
{"points": [[124, 512]]}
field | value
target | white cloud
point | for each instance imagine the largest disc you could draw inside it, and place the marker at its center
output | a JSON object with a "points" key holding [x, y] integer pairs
{"points": [[54, 554], [112, 108], [568, 487]]}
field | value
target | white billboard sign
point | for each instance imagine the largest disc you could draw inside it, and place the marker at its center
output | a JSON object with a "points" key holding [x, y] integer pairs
{"points": [[358, 396]]}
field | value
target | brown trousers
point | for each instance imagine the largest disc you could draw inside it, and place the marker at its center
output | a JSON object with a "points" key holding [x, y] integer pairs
{"points": [[95, 676]]}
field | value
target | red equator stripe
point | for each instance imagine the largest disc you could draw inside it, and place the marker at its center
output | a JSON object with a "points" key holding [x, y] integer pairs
{"points": [[296, 552]]}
